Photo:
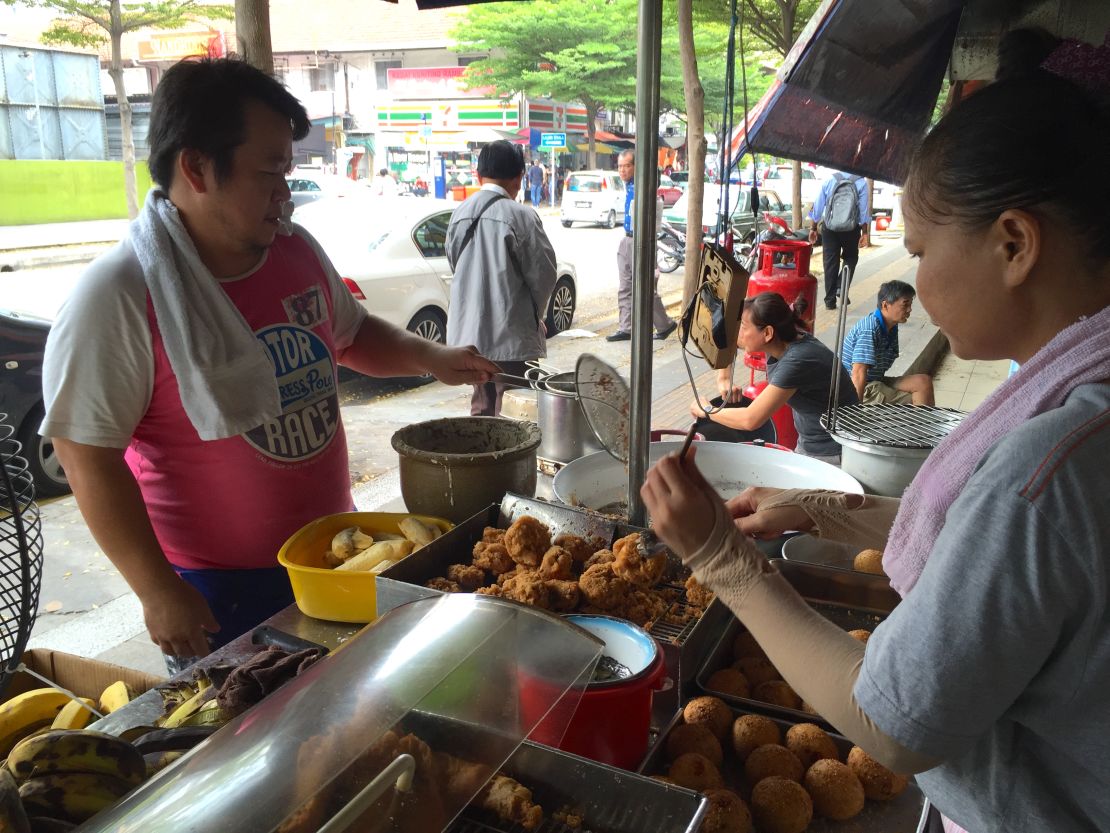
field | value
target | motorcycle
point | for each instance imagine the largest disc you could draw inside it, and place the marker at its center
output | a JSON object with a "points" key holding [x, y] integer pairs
{"points": [[670, 248], [775, 228]]}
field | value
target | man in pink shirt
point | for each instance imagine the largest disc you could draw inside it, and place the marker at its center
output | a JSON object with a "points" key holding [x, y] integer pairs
{"points": [[190, 380]]}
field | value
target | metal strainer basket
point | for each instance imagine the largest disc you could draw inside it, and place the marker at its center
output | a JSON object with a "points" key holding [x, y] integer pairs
{"points": [[20, 554]]}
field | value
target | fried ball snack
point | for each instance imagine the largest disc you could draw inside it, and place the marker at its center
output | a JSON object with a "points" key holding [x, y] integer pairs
{"points": [[810, 743], [467, 576], [836, 791], [492, 556], [725, 812], [862, 634], [442, 584], [631, 565], [744, 645], [729, 681], [778, 693], [694, 737], [716, 716], [603, 588], [695, 772], [562, 596], [757, 669], [698, 595], [750, 731], [527, 540], [869, 561], [772, 759], [780, 805], [879, 783], [557, 563], [579, 548]]}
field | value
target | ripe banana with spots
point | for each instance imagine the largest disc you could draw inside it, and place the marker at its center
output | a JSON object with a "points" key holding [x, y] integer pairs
{"points": [[13, 818], [157, 761], [76, 751], [75, 714], [115, 696], [72, 796], [26, 713]]}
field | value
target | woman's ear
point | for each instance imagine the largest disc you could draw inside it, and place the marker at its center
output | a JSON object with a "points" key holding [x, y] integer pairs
{"points": [[1018, 239]]}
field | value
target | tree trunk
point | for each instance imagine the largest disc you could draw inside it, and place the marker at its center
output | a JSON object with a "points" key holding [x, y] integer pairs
{"points": [[796, 196], [127, 141], [591, 132], [696, 147], [252, 30]]}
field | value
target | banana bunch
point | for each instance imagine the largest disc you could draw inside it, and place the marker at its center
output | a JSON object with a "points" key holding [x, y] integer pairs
{"points": [[191, 705], [71, 775], [115, 696], [28, 713], [161, 747]]}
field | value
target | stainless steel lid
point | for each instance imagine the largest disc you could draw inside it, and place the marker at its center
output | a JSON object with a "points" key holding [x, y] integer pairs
{"points": [[896, 426]]}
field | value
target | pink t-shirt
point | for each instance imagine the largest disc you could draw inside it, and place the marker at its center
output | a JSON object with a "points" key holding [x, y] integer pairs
{"points": [[232, 503]]}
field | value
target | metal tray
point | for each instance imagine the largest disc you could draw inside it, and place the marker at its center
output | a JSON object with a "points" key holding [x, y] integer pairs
{"points": [[849, 599], [900, 815], [684, 648], [818, 551]]}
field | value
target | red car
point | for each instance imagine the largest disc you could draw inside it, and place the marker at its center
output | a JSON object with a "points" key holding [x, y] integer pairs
{"points": [[668, 191]]}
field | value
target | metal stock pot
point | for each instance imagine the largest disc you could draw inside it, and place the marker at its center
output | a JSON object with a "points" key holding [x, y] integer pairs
{"points": [[566, 435]]}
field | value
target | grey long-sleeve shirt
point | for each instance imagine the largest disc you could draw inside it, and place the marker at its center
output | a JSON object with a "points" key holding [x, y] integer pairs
{"points": [[503, 279]]}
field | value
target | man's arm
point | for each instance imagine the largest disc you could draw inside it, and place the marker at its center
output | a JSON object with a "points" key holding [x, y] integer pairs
{"points": [[380, 349], [859, 378], [176, 614]]}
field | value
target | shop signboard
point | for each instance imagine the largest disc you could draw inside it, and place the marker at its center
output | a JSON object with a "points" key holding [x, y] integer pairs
{"points": [[432, 82], [553, 141]]}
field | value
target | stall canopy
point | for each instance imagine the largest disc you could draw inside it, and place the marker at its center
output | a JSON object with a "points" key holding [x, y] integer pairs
{"points": [[858, 87]]}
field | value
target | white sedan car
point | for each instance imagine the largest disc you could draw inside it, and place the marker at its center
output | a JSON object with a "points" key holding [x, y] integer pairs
{"points": [[391, 253]]}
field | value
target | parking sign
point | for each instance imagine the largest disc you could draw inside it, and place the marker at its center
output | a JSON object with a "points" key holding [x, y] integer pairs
{"points": [[553, 140]]}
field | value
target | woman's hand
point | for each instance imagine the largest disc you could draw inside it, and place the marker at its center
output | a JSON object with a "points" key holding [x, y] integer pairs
{"points": [[680, 502], [766, 523], [728, 391], [697, 411]]}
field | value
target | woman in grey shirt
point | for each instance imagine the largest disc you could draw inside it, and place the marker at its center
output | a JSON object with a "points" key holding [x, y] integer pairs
{"points": [[799, 369]]}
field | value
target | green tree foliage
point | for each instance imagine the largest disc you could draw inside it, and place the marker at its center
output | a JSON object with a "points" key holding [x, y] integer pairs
{"points": [[93, 23]]}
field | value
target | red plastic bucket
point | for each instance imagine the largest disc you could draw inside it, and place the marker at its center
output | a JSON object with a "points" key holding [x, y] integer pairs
{"points": [[612, 720]]}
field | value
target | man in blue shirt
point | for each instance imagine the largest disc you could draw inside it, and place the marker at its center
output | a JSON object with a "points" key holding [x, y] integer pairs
{"points": [[871, 347], [839, 233], [536, 176], [664, 324]]}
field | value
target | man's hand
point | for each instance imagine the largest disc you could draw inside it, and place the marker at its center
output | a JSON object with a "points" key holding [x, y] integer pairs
{"points": [[813, 235], [766, 523], [460, 366], [177, 618], [680, 503]]}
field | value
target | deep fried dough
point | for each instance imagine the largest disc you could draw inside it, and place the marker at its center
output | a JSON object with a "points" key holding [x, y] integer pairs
{"points": [[757, 669], [579, 548], [711, 711], [467, 576], [493, 535], [695, 772], [562, 596], [729, 681], [527, 540], [780, 805], [778, 693], [725, 812], [869, 561], [744, 645], [443, 585], [603, 588], [512, 802], [493, 556], [772, 759], [836, 791], [810, 743], [750, 731], [631, 565], [694, 737], [599, 557], [558, 564], [698, 595], [879, 783], [860, 634], [527, 586]]}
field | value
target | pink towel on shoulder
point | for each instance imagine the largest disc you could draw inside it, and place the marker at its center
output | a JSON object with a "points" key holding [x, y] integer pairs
{"points": [[1078, 355]]}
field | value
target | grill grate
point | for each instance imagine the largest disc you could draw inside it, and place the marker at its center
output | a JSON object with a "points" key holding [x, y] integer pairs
{"points": [[898, 426]]}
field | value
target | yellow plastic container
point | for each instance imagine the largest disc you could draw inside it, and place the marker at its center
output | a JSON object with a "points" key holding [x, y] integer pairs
{"points": [[337, 595]]}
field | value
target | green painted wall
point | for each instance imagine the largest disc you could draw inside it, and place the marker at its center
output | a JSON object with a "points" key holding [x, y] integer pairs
{"points": [[52, 191]]}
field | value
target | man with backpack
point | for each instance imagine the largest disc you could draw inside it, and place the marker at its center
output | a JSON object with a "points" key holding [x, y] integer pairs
{"points": [[840, 215]]}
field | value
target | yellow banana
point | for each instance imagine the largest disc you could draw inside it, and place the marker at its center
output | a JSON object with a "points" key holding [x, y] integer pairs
{"points": [[74, 714], [115, 696], [27, 712], [157, 761], [187, 709], [73, 796], [210, 714], [13, 818], [76, 751]]}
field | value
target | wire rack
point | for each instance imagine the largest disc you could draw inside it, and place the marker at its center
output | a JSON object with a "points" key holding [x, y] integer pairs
{"points": [[20, 554], [898, 426]]}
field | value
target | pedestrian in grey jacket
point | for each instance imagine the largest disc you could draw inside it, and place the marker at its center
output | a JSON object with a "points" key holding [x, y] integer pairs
{"points": [[504, 274]]}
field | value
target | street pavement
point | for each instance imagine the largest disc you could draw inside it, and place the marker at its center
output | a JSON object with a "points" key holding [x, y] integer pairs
{"points": [[87, 609]]}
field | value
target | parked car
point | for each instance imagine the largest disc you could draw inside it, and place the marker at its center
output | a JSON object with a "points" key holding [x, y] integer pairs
{"points": [[22, 345], [392, 255], [781, 179], [740, 212], [883, 196], [308, 186], [669, 191], [593, 197]]}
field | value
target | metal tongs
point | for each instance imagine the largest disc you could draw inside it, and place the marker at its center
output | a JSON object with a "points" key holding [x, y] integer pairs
{"points": [[649, 543]]}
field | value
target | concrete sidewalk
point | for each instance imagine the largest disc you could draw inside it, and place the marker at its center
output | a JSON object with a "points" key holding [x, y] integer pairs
{"points": [[56, 244]]}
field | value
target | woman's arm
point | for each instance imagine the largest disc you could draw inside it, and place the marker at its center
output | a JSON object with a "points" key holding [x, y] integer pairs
{"points": [[753, 416], [862, 520]]}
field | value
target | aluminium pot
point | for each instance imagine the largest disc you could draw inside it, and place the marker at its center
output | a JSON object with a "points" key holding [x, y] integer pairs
{"points": [[881, 469], [566, 433]]}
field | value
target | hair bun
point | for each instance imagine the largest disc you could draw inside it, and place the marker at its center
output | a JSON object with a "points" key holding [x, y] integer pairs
{"points": [[1022, 51]]}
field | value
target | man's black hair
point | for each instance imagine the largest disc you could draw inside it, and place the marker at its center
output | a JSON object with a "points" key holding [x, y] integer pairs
{"points": [[892, 292], [501, 160], [199, 105]]}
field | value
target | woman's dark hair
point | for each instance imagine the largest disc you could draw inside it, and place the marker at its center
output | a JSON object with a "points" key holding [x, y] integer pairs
{"points": [[769, 309], [1031, 141], [501, 160], [200, 105]]}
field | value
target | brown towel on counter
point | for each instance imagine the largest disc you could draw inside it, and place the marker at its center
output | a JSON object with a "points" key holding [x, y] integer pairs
{"points": [[266, 671]]}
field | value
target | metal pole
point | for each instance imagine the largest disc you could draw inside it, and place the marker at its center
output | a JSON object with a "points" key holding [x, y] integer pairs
{"points": [[643, 270]]}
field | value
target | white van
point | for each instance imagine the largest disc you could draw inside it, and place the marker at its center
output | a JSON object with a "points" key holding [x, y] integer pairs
{"points": [[593, 197]]}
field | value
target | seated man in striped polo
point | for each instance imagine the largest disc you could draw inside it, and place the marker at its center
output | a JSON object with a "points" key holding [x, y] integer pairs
{"points": [[871, 347]]}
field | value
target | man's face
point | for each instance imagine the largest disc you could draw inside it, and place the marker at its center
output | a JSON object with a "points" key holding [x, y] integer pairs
{"points": [[248, 203], [899, 311], [626, 167]]}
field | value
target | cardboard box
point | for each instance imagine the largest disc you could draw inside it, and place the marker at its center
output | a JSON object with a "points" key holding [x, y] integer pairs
{"points": [[84, 677]]}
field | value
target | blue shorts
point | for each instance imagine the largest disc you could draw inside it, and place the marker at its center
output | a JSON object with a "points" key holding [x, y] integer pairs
{"points": [[241, 599]]}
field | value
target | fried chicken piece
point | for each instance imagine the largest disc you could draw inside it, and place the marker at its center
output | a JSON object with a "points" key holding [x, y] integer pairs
{"points": [[562, 596], [527, 540], [557, 564], [697, 594], [599, 557], [468, 577], [579, 548], [492, 556], [527, 587], [603, 588], [631, 565], [513, 573], [442, 584], [491, 590], [493, 535], [460, 779], [512, 802], [641, 607]]}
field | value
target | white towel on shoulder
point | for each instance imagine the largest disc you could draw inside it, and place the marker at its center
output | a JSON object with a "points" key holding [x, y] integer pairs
{"points": [[224, 374]]}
